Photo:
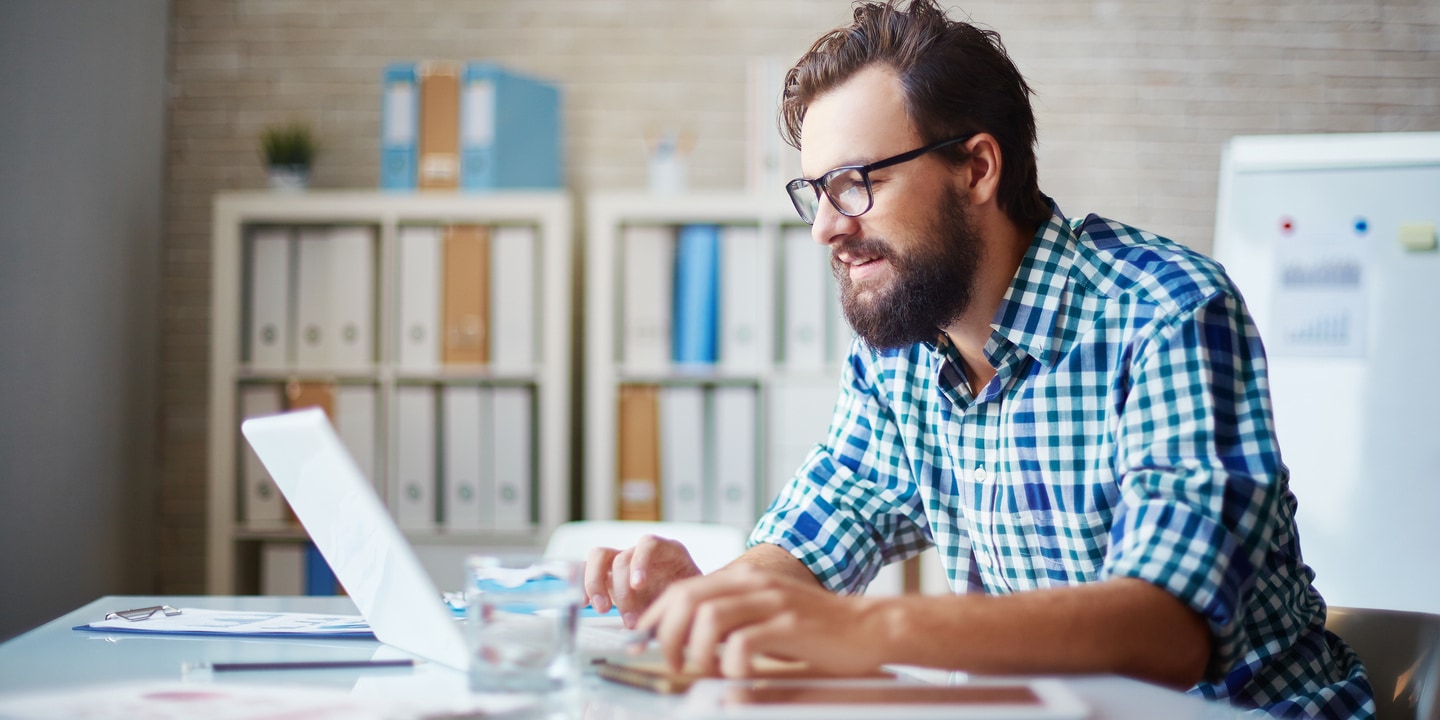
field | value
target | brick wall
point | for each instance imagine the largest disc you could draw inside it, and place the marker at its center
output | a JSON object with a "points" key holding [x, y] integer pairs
{"points": [[1135, 99]]}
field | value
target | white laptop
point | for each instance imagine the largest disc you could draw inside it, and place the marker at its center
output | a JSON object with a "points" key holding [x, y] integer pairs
{"points": [[352, 529]]}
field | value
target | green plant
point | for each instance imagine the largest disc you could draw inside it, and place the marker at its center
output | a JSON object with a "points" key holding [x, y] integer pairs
{"points": [[289, 144]]}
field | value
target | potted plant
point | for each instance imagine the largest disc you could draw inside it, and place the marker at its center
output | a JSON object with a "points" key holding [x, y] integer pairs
{"points": [[289, 149]]}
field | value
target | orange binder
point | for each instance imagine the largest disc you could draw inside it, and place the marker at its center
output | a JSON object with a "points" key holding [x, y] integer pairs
{"points": [[466, 311], [639, 466], [300, 395], [440, 126]]}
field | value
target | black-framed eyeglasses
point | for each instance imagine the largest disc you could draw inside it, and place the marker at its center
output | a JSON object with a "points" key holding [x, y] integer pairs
{"points": [[848, 186]]}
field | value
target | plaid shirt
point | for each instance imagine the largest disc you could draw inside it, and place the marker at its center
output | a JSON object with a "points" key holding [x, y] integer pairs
{"points": [[1127, 433]]}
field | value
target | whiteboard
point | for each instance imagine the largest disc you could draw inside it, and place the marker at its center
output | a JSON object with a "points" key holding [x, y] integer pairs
{"points": [[1308, 227]]}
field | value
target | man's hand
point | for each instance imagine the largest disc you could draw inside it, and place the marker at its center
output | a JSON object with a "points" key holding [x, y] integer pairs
{"points": [[631, 579], [757, 612]]}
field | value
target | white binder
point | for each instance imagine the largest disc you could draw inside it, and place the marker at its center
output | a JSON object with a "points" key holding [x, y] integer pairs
{"points": [[741, 322], [419, 293], [263, 507], [769, 161], [313, 340], [413, 491], [682, 453], [647, 296], [282, 568], [799, 419], [352, 298], [734, 466], [269, 307], [513, 287], [466, 448], [514, 454], [355, 421], [806, 267]]}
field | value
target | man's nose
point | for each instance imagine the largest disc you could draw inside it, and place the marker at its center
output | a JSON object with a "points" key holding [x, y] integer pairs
{"points": [[831, 225]]}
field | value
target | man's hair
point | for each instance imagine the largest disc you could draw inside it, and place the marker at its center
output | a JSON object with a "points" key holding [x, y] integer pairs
{"points": [[957, 80]]}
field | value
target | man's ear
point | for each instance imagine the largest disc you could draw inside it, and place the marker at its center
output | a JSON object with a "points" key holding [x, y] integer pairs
{"points": [[980, 176]]}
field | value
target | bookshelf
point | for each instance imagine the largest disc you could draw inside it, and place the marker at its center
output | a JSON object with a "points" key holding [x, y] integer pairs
{"points": [[250, 231], [609, 369], [794, 381]]}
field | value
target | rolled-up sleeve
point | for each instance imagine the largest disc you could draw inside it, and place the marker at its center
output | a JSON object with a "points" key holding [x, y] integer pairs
{"points": [[1200, 479]]}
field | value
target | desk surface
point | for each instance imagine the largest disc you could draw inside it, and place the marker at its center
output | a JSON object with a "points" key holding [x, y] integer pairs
{"points": [[54, 657]]}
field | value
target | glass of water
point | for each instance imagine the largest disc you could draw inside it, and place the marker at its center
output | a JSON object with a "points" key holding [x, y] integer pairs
{"points": [[521, 616]]}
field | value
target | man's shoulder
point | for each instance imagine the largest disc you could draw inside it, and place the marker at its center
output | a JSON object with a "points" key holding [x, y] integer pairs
{"points": [[1119, 260]]}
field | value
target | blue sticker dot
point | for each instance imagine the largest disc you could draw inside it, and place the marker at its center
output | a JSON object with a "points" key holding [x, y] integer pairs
{"points": [[1362, 225]]}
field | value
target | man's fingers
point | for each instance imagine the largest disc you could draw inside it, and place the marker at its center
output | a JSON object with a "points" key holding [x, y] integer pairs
{"points": [[729, 582], [672, 615], [644, 558], [631, 579], [597, 577], [737, 658], [717, 618], [621, 593]]}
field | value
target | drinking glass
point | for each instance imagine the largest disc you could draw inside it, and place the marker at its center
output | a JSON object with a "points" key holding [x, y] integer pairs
{"points": [[521, 616]]}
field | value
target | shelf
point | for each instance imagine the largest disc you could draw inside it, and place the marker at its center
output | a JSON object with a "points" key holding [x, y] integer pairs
{"points": [[765, 221], [388, 222]]}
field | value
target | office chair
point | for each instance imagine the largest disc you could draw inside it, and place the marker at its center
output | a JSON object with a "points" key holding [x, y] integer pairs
{"points": [[710, 546], [1402, 652]]}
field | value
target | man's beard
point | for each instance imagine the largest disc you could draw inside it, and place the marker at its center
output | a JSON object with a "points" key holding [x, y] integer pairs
{"points": [[932, 284]]}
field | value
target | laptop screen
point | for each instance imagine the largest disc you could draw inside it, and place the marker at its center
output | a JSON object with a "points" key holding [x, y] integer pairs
{"points": [[354, 532]]}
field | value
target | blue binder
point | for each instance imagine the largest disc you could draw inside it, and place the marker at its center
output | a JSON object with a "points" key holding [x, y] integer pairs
{"points": [[319, 578], [509, 130], [697, 294], [399, 127]]}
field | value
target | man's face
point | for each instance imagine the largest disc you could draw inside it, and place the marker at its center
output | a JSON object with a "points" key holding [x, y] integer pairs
{"points": [[906, 268]]}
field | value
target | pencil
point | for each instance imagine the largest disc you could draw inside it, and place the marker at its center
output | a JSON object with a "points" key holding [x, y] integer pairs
{"points": [[310, 665]]}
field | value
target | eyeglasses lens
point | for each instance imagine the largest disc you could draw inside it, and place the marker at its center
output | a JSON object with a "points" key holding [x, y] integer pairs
{"points": [[846, 188], [805, 197], [848, 191]]}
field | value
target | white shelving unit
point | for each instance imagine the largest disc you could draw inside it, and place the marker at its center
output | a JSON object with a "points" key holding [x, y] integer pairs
{"points": [[232, 544], [607, 215]]}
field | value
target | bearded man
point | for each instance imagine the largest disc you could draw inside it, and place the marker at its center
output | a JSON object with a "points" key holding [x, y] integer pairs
{"points": [[1074, 412]]}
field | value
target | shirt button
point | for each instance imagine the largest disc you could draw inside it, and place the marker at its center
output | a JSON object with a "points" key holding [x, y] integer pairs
{"points": [[980, 473]]}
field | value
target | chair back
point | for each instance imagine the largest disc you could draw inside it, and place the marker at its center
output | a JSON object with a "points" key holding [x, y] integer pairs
{"points": [[711, 546], [1402, 652]]}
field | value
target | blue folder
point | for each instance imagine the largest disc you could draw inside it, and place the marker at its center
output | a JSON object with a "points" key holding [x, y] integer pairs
{"points": [[399, 127], [697, 294], [509, 130]]}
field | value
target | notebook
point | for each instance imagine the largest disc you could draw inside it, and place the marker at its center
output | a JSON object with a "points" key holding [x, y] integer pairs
{"points": [[346, 520]]}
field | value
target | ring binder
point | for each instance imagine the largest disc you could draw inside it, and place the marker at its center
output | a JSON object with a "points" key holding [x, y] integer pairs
{"points": [[145, 613]]}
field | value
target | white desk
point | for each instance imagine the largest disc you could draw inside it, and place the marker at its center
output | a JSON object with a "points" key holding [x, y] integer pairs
{"points": [[53, 656]]}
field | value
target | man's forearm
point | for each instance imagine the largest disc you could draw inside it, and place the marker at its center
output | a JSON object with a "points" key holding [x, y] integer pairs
{"points": [[1122, 626]]}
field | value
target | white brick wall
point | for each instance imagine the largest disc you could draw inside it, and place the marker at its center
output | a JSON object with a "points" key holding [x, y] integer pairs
{"points": [[1135, 99]]}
